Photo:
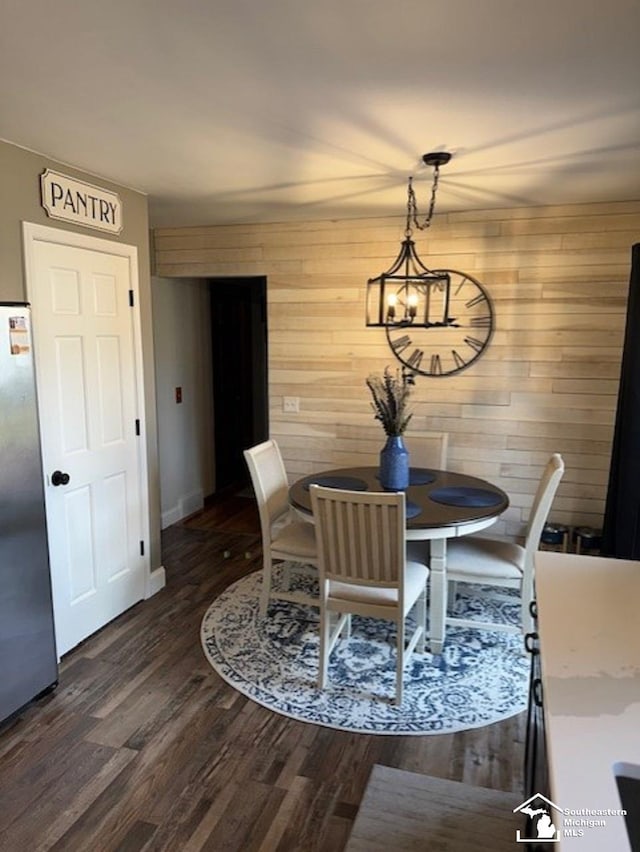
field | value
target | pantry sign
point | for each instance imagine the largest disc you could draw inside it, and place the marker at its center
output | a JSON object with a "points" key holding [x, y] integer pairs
{"points": [[82, 203]]}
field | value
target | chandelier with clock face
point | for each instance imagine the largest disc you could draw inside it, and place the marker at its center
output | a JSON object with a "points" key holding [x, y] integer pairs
{"points": [[437, 322]]}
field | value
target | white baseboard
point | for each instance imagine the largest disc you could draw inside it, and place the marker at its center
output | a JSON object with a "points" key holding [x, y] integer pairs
{"points": [[187, 505], [171, 516], [191, 503], [157, 580]]}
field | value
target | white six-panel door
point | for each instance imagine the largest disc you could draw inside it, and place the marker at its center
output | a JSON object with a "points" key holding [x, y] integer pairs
{"points": [[85, 357]]}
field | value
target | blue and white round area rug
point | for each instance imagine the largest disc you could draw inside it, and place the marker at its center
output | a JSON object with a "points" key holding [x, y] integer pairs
{"points": [[481, 676]]}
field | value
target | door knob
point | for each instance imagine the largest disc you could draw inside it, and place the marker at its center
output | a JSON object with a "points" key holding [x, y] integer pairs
{"points": [[59, 478]]}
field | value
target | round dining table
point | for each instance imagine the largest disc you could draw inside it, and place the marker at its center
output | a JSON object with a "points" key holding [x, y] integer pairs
{"points": [[439, 504]]}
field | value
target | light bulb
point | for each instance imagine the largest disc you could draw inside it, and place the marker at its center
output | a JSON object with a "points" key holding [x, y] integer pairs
{"points": [[412, 303], [392, 300]]}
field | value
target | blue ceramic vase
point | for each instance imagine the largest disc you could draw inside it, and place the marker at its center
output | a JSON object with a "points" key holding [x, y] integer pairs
{"points": [[394, 464]]}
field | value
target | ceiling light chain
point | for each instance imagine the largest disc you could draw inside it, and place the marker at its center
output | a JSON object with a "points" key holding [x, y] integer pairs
{"points": [[436, 159], [413, 206]]}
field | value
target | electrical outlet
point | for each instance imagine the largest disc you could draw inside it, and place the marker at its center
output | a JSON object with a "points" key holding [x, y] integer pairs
{"points": [[291, 404]]}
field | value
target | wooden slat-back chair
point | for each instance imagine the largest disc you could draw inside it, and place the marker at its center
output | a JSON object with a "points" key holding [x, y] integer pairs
{"points": [[363, 569]]}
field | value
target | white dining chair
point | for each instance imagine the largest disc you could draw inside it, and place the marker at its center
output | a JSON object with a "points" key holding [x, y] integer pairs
{"points": [[284, 538], [358, 445], [427, 449], [499, 563], [364, 571]]}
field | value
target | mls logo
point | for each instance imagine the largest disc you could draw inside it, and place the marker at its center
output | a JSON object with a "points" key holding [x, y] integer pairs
{"points": [[540, 811]]}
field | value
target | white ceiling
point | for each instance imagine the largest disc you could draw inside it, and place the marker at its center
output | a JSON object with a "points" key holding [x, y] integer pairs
{"points": [[266, 110]]}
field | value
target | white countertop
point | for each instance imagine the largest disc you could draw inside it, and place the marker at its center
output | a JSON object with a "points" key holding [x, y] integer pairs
{"points": [[589, 626]]}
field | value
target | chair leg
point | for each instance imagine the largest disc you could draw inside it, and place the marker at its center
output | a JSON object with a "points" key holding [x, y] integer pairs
{"points": [[453, 592], [527, 594], [346, 630], [421, 620], [266, 585], [526, 622], [399, 660], [323, 659]]}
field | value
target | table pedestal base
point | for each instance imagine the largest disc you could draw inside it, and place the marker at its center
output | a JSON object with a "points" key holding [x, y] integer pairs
{"points": [[437, 594]]}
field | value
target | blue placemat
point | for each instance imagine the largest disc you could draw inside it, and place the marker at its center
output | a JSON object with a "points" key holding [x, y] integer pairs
{"points": [[420, 476], [464, 496], [412, 509], [348, 483]]}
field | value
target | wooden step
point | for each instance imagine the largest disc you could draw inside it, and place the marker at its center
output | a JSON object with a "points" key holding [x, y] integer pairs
{"points": [[403, 810]]}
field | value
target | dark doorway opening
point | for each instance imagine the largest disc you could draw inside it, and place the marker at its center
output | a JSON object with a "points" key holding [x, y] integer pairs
{"points": [[240, 395]]}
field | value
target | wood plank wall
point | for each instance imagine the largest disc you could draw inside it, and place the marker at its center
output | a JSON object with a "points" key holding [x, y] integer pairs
{"points": [[558, 278]]}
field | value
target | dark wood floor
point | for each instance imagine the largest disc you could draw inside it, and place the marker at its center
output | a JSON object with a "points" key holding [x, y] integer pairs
{"points": [[144, 747]]}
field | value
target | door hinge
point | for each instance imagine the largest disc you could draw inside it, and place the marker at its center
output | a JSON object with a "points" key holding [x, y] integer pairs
{"points": [[130, 298], [137, 427], [142, 548]]}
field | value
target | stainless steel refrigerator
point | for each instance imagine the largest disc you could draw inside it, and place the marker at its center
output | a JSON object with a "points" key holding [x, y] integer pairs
{"points": [[28, 659]]}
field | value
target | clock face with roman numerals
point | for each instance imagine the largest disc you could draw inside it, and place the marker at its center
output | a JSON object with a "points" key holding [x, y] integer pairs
{"points": [[450, 334]]}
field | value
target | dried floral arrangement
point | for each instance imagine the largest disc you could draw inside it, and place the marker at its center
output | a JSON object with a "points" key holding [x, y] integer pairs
{"points": [[390, 393]]}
